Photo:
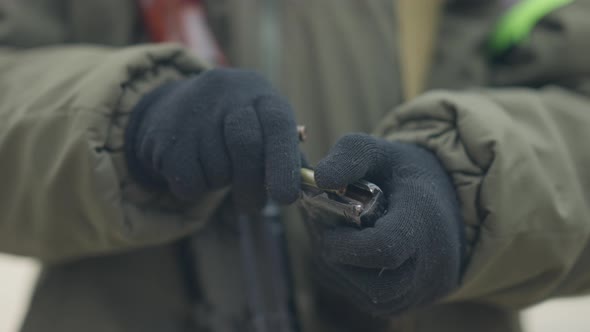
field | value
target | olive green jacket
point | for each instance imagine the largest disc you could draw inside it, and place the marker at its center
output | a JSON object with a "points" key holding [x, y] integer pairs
{"points": [[518, 157]]}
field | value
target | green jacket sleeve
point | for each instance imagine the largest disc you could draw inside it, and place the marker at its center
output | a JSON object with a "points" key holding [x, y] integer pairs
{"points": [[519, 159], [65, 190]]}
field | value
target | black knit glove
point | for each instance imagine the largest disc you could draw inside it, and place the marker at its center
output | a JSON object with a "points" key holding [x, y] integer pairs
{"points": [[412, 256], [222, 127]]}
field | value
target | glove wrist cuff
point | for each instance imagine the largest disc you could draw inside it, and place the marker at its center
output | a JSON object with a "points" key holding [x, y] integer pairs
{"points": [[139, 169]]}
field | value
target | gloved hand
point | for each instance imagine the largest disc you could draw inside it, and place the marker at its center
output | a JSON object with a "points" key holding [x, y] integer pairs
{"points": [[412, 256], [222, 127]]}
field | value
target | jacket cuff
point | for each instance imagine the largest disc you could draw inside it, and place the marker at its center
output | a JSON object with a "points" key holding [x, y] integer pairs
{"points": [[513, 155], [434, 122], [149, 217]]}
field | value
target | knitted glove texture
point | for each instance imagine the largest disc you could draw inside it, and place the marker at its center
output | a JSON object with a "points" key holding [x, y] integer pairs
{"points": [[412, 256], [222, 127]]}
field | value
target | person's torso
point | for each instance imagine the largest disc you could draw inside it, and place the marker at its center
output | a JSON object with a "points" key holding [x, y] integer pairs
{"points": [[337, 62]]}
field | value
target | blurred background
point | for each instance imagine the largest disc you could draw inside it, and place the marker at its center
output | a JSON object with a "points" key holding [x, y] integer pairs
{"points": [[17, 276]]}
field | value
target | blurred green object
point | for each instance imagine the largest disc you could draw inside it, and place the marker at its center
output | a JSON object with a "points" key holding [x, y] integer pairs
{"points": [[516, 25]]}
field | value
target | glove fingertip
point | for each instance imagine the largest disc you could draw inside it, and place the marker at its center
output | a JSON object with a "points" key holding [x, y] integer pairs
{"points": [[285, 197], [286, 191], [349, 160], [328, 176]]}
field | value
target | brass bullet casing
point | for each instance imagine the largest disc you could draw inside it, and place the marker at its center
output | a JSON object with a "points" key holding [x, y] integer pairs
{"points": [[302, 132]]}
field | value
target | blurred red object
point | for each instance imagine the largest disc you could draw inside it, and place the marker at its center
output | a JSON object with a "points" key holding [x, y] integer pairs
{"points": [[181, 21]]}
